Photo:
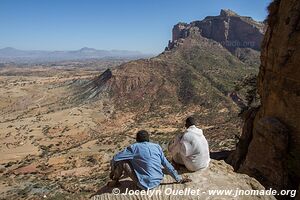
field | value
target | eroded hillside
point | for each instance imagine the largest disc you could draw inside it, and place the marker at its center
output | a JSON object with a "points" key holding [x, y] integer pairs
{"points": [[60, 131]]}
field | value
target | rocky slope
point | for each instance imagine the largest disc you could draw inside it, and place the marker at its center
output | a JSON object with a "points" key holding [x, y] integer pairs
{"points": [[270, 145], [197, 76], [198, 64], [199, 67], [219, 175]]}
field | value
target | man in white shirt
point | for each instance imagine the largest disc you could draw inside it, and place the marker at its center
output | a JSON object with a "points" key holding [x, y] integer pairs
{"points": [[190, 148]]}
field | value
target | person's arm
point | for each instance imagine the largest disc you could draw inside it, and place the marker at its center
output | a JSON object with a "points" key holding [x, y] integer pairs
{"points": [[174, 145], [167, 165], [126, 154], [186, 148]]}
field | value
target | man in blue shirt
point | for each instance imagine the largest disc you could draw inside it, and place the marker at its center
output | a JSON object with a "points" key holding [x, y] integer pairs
{"points": [[142, 162]]}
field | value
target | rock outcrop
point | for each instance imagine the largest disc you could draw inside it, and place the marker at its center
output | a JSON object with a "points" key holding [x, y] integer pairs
{"points": [[219, 176], [241, 35], [270, 145]]}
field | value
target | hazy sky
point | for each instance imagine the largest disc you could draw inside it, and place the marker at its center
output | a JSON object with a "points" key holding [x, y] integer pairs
{"points": [[143, 25]]}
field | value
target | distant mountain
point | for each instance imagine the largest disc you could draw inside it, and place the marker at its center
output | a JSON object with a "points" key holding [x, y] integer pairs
{"points": [[196, 74], [10, 54], [200, 66]]}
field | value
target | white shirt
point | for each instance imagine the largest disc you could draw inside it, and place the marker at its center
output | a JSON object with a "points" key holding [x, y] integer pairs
{"points": [[192, 148]]}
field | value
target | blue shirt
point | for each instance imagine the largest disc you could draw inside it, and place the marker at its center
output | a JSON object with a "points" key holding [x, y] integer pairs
{"points": [[147, 160]]}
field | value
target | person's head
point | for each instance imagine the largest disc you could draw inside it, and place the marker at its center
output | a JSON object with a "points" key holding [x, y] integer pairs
{"points": [[189, 122], [142, 136]]}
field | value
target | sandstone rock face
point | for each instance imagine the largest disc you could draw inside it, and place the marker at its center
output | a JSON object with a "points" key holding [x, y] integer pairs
{"points": [[240, 153], [219, 175], [231, 30], [267, 152], [273, 150]]}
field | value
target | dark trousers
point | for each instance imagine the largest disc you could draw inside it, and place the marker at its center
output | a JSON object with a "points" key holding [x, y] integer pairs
{"points": [[122, 167]]}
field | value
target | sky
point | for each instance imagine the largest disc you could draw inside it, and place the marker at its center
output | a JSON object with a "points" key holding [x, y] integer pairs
{"points": [[141, 25]]}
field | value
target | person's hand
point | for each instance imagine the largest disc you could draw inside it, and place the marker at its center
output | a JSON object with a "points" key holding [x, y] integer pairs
{"points": [[111, 175], [185, 179]]}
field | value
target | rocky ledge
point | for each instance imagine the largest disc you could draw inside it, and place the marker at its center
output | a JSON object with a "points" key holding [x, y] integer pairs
{"points": [[219, 176]]}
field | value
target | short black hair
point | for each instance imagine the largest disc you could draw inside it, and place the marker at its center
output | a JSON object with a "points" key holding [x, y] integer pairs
{"points": [[190, 121], [142, 136]]}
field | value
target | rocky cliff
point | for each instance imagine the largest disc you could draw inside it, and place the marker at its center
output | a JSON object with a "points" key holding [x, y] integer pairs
{"points": [[269, 148], [241, 35]]}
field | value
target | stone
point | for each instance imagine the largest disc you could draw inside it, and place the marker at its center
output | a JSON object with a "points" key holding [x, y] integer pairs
{"points": [[270, 139]]}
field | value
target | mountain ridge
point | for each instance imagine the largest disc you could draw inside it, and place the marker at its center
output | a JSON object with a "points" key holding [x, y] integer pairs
{"points": [[10, 54], [190, 52], [197, 77]]}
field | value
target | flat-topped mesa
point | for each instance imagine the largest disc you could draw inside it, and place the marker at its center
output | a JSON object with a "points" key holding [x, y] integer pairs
{"points": [[231, 30]]}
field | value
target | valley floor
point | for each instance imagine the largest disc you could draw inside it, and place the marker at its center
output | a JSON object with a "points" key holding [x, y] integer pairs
{"points": [[52, 146]]}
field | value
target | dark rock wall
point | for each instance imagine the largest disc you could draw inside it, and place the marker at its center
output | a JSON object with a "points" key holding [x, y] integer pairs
{"points": [[273, 146]]}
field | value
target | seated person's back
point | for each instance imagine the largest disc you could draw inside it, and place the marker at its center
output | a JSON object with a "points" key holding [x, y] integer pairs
{"points": [[146, 159], [191, 148]]}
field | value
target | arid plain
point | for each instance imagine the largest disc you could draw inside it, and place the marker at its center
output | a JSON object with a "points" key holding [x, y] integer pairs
{"points": [[51, 142]]}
